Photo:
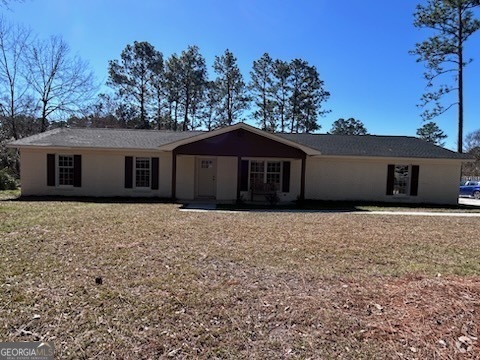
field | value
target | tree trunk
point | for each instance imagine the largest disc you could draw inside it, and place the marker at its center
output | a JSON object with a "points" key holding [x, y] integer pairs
{"points": [[175, 118], [460, 80], [12, 113], [43, 127], [142, 111], [187, 106]]}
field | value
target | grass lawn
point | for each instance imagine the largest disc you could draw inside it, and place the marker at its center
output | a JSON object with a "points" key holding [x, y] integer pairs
{"points": [[249, 285]]}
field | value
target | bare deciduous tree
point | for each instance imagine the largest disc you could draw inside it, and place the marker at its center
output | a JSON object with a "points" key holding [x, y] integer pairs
{"points": [[14, 42], [62, 82]]}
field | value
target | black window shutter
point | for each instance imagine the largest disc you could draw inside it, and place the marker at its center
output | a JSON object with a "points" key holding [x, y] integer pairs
{"points": [[77, 170], [390, 179], [128, 172], [154, 173], [50, 169], [286, 177], [414, 182], [244, 175]]}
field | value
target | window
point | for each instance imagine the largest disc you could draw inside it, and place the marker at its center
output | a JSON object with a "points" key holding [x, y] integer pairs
{"points": [[401, 180], [65, 170], [265, 175], [142, 172], [257, 170], [207, 164], [274, 174]]}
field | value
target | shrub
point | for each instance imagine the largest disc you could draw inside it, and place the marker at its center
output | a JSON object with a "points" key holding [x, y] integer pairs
{"points": [[7, 181], [272, 198]]}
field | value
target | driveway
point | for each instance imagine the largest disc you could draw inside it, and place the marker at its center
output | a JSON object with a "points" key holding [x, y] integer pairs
{"points": [[468, 201]]}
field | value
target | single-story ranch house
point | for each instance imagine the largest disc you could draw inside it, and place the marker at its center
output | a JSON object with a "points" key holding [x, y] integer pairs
{"points": [[237, 162]]}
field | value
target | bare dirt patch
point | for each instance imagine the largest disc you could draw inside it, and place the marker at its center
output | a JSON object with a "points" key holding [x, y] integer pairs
{"points": [[249, 285]]}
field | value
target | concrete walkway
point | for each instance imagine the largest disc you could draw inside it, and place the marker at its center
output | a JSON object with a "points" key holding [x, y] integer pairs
{"points": [[418, 213]]}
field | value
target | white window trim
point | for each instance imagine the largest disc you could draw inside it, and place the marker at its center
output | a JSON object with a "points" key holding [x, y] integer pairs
{"points": [[142, 188], [265, 161], [57, 171]]}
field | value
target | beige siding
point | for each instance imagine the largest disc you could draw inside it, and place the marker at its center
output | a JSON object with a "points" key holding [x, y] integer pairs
{"points": [[33, 172], [366, 180], [295, 181], [226, 178], [103, 173], [439, 183], [327, 178], [185, 188]]}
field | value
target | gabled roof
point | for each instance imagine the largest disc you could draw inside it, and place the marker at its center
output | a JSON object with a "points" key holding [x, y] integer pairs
{"points": [[311, 144], [268, 135]]}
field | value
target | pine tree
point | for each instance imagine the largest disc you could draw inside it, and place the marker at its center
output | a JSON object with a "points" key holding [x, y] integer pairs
{"points": [[230, 88], [431, 133], [348, 127], [453, 23], [261, 88], [133, 76], [192, 79], [281, 89]]}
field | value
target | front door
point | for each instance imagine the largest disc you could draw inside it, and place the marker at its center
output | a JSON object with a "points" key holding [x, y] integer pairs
{"points": [[207, 172]]}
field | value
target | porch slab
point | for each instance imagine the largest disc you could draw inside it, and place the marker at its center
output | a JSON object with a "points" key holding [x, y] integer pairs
{"points": [[199, 206]]}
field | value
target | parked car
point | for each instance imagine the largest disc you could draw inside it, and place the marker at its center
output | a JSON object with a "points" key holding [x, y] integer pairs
{"points": [[470, 188]]}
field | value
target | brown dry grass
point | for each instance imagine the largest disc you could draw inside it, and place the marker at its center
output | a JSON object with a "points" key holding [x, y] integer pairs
{"points": [[253, 285]]}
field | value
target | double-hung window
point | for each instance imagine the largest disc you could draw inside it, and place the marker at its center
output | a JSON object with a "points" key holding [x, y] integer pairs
{"points": [[265, 175], [65, 170], [142, 172]]}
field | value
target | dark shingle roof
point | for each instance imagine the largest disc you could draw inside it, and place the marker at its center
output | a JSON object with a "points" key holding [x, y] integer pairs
{"points": [[105, 138], [326, 144], [373, 145]]}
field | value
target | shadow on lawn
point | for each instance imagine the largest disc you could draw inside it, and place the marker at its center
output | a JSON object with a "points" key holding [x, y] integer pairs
{"points": [[304, 206], [345, 206], [92, 199]]}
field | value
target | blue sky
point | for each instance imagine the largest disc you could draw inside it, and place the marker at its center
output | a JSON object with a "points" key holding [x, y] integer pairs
{"points": [[360, 48]]}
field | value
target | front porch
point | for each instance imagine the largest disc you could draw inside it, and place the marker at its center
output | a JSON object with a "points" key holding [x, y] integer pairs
{"points": [[238, 166]]}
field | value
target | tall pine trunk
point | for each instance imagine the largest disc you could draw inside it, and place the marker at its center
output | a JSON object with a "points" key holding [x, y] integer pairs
{"points": [[460, 80]]}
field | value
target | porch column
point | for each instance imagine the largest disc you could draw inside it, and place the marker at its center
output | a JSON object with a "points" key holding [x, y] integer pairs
{"points": [[239, 175], [174, 174], [302, 177]]}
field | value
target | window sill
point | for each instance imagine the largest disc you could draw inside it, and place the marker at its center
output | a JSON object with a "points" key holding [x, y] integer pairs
{"points": [[143, 190], [65, 187]]}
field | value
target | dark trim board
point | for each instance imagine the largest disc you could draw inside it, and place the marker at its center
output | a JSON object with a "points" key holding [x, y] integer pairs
{"points": [[77, 170], [414, 180], [155, 173], [51, 170], [128, 172]]}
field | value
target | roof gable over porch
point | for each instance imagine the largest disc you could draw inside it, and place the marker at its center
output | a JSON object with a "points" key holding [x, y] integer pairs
{"points": [[240, 142]]}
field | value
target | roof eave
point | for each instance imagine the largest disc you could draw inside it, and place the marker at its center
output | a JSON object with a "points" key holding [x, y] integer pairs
{"points": [[373, 157], [94, 148]]}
